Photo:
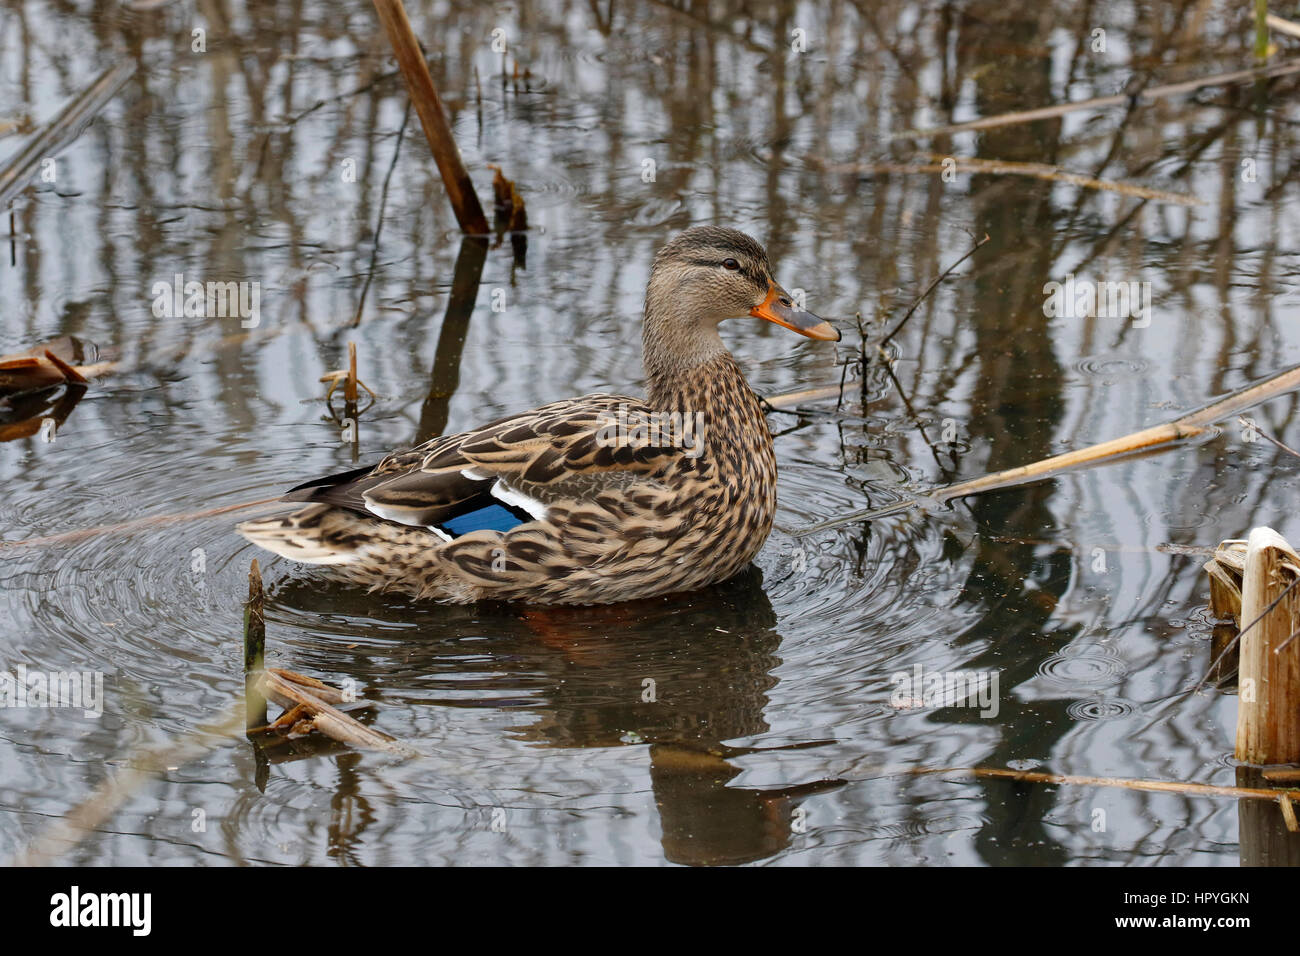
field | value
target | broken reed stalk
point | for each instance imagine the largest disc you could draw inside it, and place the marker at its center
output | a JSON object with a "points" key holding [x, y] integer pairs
{"points": [[1164, 436], [61, 130], [23, 373], [254, 649], [1288, 815], [509, 210], [1268, 711], [317, 688], [1148, 95], [424, 95], [289, 693], [1226, 569]]}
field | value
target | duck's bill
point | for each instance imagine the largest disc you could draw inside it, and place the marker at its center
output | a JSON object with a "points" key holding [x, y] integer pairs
{"points": [[778, 308]]}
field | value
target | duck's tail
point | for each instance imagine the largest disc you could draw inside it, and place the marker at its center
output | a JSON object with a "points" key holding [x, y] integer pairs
{"points": [[319, 534]]}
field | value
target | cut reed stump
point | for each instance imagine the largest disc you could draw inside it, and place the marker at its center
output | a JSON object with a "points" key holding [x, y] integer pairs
{"points": [[428, 105], [1268, 718], [1255, 583]]}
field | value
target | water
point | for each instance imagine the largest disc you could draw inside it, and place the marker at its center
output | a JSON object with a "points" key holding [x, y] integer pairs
{"points": [[752, 723]]}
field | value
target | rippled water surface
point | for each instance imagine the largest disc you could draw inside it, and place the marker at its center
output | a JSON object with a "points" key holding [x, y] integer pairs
{"points": [[754, 723]]}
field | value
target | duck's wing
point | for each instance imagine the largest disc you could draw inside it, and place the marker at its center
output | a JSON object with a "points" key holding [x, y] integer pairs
{"points": [[502, 474]]}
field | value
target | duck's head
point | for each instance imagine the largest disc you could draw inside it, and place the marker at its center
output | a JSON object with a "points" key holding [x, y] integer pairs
{"points": [[708, 274]]}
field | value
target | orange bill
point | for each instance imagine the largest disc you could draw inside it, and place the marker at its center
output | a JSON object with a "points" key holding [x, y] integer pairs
{"points": [[779, 307]]}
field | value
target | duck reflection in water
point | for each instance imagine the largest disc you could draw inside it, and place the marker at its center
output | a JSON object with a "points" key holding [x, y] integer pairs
{"points": [[677, 675]]}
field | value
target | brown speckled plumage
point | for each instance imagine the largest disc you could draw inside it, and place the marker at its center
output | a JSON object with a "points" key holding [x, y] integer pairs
{"points": [[621, 522]]}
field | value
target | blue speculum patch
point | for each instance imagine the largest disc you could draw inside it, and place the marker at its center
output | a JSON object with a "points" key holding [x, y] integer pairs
{"points": [[490, 518]]}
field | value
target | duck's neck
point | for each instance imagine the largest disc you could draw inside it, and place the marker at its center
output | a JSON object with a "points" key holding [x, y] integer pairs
{"points": [[681, 353], [689, 370]]}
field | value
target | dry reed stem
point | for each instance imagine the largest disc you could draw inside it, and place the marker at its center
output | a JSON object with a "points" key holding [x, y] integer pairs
{"points": [[428, 106], [1268, 705], [1192, 425]]}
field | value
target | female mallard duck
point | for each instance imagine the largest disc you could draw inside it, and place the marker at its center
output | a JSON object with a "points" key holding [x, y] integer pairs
{"points": [[593, 500]]}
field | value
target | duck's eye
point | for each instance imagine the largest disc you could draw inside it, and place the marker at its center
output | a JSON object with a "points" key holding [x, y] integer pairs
{"points": [[730, 264]]}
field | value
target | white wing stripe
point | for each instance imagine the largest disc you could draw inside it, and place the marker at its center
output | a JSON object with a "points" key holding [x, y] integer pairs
{"points": [[511, 497]]}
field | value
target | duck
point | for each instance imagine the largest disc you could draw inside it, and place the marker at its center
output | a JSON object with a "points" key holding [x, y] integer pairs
{"points": [[593, 500]]}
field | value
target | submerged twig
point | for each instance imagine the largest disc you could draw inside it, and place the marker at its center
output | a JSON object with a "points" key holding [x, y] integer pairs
{"points": [[62, 129], [141, 765], [934, 283], [72, 537]]}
